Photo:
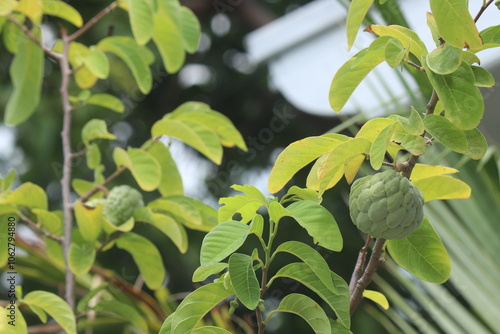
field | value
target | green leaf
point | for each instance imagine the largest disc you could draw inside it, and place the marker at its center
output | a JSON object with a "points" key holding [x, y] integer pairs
{"points": [[482, 78], [171, 229], [50, 221], [414, 144], [169, 41], [26, 73], [445, 59], [7, 6], [431, 23], [421, 171], [244, 280], [6, 182], [89, 220], [81, 257], [446, 133], [307, 309], [194, 307], [146, 256], [130, 53], [171, 181], [347, 78], [379, 147], [455, 23], [415, 124], [196, 135], [123, 311], [319, 223], [190, 29], [28, 194], [97, 63], [407, 37], [201, 113], [422, 254], [210, 330], [339, 303], [20, 328], [462, 100], [395, 53], [310, 257], [202, 273], [442, 187], [107, 101], [355, 16], [145, 169], [297, 193], [257, 226], [295, 157], [93, 156], [377, 297], [141, 20], [371, 129], [84, 301], [222, 241], [63, 10], [32, 9], [245, 205], [95, 129], [476, 144], [55, 306]]}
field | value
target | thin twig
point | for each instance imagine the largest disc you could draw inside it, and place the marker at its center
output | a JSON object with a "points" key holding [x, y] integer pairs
{"points": [[418, 67], [481, 11], [30, 35], [360, 266], [91, 22], [39, 229]]}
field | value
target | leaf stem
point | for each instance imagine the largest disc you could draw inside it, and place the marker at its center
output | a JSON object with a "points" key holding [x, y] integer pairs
{"points": [[481, 11]]}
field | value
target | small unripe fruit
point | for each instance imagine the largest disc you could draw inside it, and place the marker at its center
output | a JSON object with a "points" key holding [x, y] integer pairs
{"points": [[121, 204], [386, 205]]}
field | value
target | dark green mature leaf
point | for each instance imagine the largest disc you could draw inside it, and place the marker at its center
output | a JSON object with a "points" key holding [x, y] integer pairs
{"points": [[244, 280], [339, 303], [422, 254], [146, 256], [123, 311], [462, 100], [130, 53], [319, 223], [194, 307], [445, 59], [347, 78], [455, 24], [245, 205], [221, 241], [307, 309], [446, 133], [313, 260], [355, 16], [55, 306], [476, 144], [26, 73]]}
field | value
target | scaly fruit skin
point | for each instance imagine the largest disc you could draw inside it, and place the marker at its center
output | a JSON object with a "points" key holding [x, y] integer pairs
{"points": [[121, 203], [386, 205]]}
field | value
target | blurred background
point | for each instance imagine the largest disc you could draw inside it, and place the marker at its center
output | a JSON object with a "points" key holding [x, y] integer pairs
{"points": [[267, 65]]}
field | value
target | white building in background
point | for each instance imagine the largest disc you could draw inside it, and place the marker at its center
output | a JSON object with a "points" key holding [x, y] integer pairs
{"points": [[305, 48]]}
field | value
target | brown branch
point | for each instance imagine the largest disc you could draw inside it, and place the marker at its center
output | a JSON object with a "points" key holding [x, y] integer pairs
{"points": [[39, 229], [360, 266], [481, 11], [91, 22], [375, 260], [418, 67], [30, 35]]}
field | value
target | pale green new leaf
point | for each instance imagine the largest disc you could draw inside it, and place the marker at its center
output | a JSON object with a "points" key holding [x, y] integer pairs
{"points": [[379, 147], [7, 6], [446, 133], [194, 307], [8, 180], [244, 281], [245, 205], [422, 254], [476, 144], [171, 181], [131, 54], [125, 312], [319, 223], [482, 78], [185, 210], [93, 156], [377, 297], [95, 129], [339, 303], [196, 135], [445, 59], [146, 256], [107, 101], [414, 144], [55, 306], [312, 258], [210, 330], [27, 194], [190, 29], [145, 169], [277, 211], [355, 16], [26, 73], [97, 62], [395, 52], [63, 10], [49, 221], [371, 129], [141, 20], [202, 273], [347, 78], [462, 100], [169, 41], [296, 156], [455, 24], [81, 257], [295, 193], [407, 37], [171, 229], [221, 241], [5, 328], [89, 220], [307, 309], [257, 226], [442, 187]]}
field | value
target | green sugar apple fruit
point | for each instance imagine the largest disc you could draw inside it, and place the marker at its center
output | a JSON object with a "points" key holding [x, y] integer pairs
{"points": [[386, 205], [121, 203]]}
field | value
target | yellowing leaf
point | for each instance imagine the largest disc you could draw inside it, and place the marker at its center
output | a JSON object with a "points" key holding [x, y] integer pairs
{"points": [[421, 171], [371, 129], [442, 187], [377, 297], [32, 9], [7, 6], [29, 195], [89, 220], [63, 10], [407, 37]]}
